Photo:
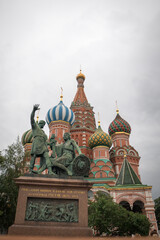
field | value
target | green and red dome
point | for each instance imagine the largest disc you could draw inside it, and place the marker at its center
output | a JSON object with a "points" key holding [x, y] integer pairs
{"points": [[27, 137], [99, 138], [119, 125]]}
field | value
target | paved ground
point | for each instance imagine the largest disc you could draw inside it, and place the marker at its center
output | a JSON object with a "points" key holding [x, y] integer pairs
{"points": [[6, 237]]}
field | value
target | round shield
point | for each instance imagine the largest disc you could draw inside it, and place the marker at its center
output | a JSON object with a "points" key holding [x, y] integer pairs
{"points": [[81, 166]]}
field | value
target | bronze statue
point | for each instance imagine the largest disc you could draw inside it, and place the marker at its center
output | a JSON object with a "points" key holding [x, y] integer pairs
{"points": [[52, 142], [62, 154], [66, 154], [39, 144], [63, 160]]}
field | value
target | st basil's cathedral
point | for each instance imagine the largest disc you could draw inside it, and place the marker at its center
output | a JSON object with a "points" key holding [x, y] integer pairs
{"points": [[114, 166]]}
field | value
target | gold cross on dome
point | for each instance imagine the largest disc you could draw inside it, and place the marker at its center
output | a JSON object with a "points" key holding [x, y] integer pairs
{"points": [[61, 97]]}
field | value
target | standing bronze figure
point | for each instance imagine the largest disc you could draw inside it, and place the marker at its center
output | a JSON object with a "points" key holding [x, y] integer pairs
{"points": [[39, 145]]}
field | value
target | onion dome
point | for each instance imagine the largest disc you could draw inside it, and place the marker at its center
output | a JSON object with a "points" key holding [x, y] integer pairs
{"points": [[80, 79], [99, 138], [60, 113], [27, 137], [80, 75], [119, 125]]}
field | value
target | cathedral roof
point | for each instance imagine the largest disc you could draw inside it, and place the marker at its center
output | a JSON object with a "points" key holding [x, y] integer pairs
{"points": [[80, 97], [80, 75], [60, 112], [127, 175], [99, 138], [27, 137], [119, 125]]}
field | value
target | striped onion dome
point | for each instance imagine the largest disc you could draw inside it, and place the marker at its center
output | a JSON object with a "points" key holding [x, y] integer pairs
{"points": [[119, 125], [99, 138], [60, 112], [27, 137]]}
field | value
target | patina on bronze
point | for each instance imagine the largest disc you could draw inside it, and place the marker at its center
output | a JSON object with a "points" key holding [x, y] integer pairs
{"points": [[63, 160], [66, 162], [39, 144], [51, 210]]}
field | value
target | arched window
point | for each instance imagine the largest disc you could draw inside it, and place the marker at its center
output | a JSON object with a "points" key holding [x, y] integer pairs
{"points": [[126, 205], [138, 207]]}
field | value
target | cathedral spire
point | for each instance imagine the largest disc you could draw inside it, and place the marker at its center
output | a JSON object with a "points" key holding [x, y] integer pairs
{"points": [[80, 96]]}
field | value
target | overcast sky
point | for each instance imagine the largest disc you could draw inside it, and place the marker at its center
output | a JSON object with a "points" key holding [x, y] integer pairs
{"points": [[116, 42]]}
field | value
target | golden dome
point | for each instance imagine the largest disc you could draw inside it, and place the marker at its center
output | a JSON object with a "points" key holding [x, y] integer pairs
{"points": [[80, 75]]}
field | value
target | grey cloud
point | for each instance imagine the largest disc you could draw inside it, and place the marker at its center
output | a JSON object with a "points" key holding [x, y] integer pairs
{"points": [[117, 43]]}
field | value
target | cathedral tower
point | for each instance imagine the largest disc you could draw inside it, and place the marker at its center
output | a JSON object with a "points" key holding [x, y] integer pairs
{"points": [[120, 130], [84, 125], [59, 119], [101, 167]]}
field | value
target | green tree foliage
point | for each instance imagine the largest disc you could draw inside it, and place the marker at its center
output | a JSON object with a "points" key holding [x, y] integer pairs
{"points": [[111, 218], [11, 166], [157, 211]]}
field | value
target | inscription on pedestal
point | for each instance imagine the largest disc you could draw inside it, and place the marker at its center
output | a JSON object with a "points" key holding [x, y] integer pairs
{"points": [[51, 210], [54, 193]]}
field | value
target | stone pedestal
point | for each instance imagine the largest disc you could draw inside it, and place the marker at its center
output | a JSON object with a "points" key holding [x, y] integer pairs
{"points": [[52, 207]]}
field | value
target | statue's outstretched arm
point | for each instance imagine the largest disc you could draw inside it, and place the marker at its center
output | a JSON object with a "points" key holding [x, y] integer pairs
{"points": [[76, 147], [35, 108]]}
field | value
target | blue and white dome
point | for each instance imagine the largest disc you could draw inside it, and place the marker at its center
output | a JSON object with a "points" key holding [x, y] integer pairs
{"points": [[60, 112]]}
